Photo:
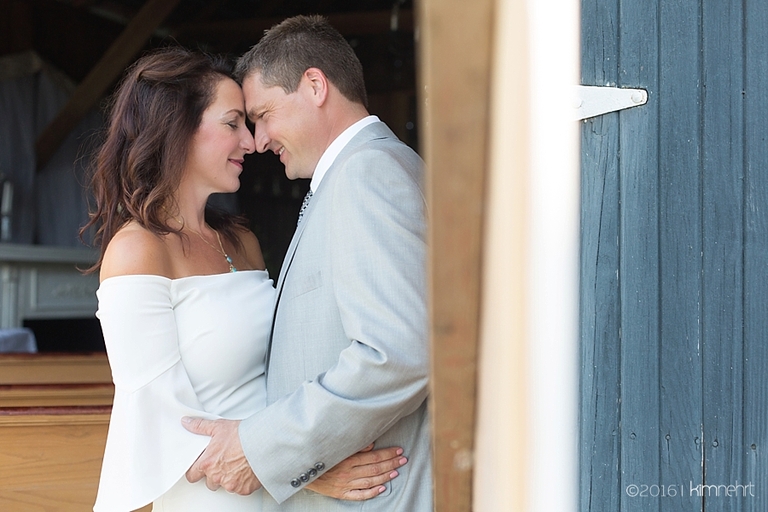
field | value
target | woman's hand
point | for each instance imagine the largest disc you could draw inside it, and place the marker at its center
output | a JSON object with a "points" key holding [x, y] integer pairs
{"points": [[360, 476]]}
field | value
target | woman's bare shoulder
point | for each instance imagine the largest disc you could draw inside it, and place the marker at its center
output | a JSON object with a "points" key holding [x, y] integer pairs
{"points": [[136, 250], [252, 249]]}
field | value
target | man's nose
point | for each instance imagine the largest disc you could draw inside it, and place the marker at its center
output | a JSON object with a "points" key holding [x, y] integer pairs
{"points": [[261, 140]]}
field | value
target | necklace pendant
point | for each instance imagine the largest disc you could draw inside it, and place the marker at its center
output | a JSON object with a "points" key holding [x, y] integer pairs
{"points": [[231, 266]]}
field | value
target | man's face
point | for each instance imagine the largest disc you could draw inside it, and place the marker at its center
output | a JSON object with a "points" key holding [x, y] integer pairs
{"points": [[284, 124]]}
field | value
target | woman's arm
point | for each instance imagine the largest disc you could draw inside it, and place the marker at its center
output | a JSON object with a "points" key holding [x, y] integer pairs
{"points": [[147, 449], [360, 476]]}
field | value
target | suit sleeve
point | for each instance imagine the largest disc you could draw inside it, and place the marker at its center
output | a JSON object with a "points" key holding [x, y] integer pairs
{"points": [[377, 237]]}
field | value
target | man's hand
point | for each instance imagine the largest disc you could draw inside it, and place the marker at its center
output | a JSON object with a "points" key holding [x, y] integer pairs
{"points": [[223, 463]]}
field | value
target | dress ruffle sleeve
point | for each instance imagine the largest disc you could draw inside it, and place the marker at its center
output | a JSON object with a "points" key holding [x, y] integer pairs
{"points": [[148, 450]]}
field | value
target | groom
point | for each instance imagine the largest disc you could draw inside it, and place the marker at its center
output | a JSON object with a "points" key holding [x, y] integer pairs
{"points": [[348, 362]]}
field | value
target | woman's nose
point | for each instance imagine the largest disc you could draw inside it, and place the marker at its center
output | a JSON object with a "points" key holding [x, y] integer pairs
{"points": [[247, 142]]}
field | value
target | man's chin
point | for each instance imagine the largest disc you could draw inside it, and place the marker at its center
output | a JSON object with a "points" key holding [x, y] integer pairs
{"points": [[293, 174]]}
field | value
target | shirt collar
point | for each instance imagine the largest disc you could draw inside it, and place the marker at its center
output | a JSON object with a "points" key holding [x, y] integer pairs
{"points": [[335, 148]]}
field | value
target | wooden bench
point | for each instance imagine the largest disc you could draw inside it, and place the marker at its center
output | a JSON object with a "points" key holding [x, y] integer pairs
{"points": [[54, 414], [50, 457], [47, 380]]}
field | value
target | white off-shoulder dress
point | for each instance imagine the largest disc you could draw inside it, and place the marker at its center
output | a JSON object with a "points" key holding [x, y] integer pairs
{"points": [[193, 346]]}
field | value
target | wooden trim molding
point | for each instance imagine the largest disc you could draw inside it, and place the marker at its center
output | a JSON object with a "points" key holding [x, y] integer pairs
{"points": [[36, 369], [54, 416], [56, 395]]}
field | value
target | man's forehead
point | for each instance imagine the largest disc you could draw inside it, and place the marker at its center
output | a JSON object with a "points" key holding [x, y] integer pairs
{"points": [[253, 82], [255, 93], [254, 87], [260, 97]]}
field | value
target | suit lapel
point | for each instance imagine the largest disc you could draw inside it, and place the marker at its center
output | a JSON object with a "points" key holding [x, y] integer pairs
{"points": [[287, 261], [289, 254], [373, 131], [377, 130]]}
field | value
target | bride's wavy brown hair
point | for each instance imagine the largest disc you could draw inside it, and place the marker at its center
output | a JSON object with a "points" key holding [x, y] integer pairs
{"points": [[153, 115]]}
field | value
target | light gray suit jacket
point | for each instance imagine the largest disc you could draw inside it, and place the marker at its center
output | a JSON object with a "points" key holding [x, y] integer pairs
{"points": [[349, 361]]}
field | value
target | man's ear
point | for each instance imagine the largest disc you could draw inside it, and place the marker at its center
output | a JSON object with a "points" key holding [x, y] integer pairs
{"points": [[318, 85]]}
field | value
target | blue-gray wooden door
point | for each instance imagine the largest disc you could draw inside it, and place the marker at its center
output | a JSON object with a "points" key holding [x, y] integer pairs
{"points": [[674, 259]]}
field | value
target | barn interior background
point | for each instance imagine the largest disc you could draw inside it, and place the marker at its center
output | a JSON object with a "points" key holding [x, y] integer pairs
{"points": [[60, 60]]}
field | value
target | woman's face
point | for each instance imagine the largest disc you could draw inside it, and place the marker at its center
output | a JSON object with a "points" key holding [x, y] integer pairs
{"points": [[215, 158]]}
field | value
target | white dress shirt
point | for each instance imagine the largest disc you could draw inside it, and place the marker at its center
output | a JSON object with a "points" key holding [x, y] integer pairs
{"points": [[335, 148]]}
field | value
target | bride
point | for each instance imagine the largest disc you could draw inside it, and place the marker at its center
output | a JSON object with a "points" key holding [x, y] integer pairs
{"points": [[185, 302]]}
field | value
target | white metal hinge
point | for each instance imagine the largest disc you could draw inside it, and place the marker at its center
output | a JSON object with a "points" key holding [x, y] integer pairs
{"points": [[592, 101]]}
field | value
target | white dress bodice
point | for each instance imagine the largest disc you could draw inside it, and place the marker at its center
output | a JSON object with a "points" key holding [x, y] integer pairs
{"points": [[193, 346]]}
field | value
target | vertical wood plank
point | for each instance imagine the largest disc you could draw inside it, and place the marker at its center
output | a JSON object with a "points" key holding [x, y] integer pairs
{"points": [[639, 264], [722, 217], [600, 480], [755, 445], [600, 346], [454, 74], [681, 247], [600, 485]]}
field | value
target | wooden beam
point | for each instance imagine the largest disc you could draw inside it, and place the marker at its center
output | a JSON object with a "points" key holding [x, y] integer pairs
{"points": [[349, 24], [109, 68], [455, 82]]}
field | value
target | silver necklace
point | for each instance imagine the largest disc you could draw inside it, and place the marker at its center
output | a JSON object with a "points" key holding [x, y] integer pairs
{"points": [[220, 250]]}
